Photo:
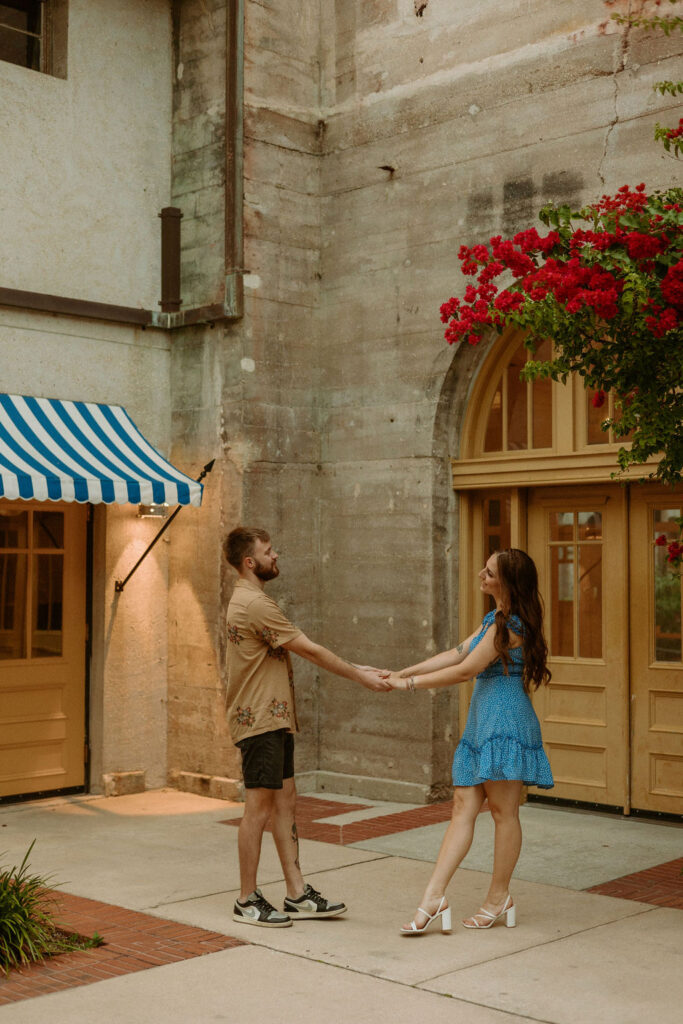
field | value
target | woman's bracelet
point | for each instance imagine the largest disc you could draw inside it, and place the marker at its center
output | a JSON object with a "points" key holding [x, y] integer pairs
{"points": [[411, 684]]}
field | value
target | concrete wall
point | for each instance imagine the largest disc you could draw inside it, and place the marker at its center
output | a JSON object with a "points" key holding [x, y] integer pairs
{"points": [[84, 161], [247, 394]]}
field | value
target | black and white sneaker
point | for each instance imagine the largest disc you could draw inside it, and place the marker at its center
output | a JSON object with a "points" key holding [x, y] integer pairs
{"points": [[257, 910], [312, 904]]}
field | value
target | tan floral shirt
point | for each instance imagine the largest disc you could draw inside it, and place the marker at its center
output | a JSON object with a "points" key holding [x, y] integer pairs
{"points": [[260, 678]]}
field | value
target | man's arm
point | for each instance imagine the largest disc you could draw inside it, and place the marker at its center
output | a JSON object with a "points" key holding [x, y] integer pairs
{"points": [[305, 648]]}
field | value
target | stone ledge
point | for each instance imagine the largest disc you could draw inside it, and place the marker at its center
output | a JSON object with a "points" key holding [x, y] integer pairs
{"points": [[124, 783], [392, 790], [216, 786]]}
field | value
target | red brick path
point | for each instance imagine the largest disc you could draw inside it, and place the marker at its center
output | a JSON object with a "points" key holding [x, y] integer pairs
{"points": [[309, 809], [661, 885], [133, 942]]}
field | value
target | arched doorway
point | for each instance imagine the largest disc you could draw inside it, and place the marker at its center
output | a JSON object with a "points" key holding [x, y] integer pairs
{"points": [[536, 472]]}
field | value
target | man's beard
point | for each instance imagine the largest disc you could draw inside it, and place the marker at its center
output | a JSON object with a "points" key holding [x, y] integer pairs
{"points": [[264, 574]]}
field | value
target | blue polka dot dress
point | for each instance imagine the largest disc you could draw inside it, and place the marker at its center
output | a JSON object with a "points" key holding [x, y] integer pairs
{"points": [[502, 737]]}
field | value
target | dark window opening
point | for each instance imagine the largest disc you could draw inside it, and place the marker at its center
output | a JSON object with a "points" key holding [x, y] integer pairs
{"points": [[22, 32]]}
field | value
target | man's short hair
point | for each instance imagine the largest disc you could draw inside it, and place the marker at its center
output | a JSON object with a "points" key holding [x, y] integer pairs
{"points": [[239, 544]]}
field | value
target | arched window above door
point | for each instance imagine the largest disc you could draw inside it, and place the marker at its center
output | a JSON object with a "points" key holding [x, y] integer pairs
{"points": [[520, 412], [531, 432]]}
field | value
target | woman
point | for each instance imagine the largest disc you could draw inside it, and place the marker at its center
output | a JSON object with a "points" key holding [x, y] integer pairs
{"points": [[501, 748]]}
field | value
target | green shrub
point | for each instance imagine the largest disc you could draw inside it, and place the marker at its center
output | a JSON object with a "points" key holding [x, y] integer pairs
{"points": [[28, 930]]}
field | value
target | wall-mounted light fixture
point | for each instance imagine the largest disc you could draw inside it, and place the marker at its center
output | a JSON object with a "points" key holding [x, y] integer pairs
{"points": [[153, 511], [120, 584]]}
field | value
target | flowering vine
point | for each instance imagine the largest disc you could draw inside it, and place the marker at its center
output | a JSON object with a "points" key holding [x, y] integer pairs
{"points": [[606, 284]]}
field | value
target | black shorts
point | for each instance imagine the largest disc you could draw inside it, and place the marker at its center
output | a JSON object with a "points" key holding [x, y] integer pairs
{"points": [[267, 759]]}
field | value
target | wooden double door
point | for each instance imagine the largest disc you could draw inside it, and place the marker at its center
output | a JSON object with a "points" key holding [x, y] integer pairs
{"points": [[612, 717], [42, 646]]}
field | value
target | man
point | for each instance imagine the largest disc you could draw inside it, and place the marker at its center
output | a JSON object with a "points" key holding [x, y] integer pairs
{"points": [[262, 717]]}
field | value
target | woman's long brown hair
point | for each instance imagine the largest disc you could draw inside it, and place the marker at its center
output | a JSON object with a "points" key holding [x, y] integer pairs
{"points": [[520, 597]]}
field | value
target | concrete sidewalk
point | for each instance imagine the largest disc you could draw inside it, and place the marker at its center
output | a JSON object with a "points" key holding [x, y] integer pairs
{"points": [[574, 956]]}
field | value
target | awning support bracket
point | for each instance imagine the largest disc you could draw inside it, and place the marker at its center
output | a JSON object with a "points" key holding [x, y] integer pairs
{"points": [[120, 584]]}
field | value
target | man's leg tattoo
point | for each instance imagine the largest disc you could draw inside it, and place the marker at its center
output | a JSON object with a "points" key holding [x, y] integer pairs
{"points": [[295, 839]]}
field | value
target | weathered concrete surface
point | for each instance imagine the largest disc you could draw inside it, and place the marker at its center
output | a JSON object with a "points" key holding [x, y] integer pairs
{"points": [[85, 160]]}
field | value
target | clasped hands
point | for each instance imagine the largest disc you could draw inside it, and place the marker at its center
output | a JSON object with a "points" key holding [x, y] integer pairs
{"points": [[381, 680]]}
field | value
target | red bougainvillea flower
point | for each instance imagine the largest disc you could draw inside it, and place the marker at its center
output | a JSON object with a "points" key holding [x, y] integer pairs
{"points": [[661, 540], [598, 399], [672, 285], [675, 551]]}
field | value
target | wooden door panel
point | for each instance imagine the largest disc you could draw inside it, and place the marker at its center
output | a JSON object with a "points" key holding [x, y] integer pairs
{"points": [[42, 647], [656, 656], [577, 537]]}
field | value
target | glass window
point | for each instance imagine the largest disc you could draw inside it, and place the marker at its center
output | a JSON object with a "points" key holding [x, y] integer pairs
{"points": [[590, 600], [517, 402], [561, 525], [493, 441], [46, 638], [497, 524], [595, 417], [521, 412], [575, 583], [31, 583], [48, 530], [589, 525], [562, 601], [542, 403], [667, 590], [13, 583], [22, 32], [13, 529]]}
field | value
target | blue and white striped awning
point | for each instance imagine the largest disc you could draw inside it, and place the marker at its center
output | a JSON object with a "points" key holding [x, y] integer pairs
{"points": [[52, 450]]}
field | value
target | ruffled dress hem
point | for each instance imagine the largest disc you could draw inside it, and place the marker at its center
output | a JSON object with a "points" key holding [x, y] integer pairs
{"points": [[501, 758]]}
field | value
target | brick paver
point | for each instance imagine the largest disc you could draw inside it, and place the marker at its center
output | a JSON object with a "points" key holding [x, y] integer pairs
{"points": [[309, 809], [132, 942], [661, 885]]}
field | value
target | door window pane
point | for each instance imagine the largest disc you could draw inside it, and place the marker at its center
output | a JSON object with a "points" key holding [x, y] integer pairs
{"points": [[589, 525], [561, 525], [13, 529], [493, 442], [48, 530], [46, 637], [562, 601], [667, 591], [13, 576], [590, 600]]}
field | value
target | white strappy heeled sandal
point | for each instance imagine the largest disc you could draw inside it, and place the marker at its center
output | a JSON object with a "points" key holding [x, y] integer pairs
{"points": [[443, 912], [508, 912]]}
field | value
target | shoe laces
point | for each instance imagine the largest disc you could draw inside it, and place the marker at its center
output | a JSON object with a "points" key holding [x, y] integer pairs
{"points": [[261, 903], [312, 894]]}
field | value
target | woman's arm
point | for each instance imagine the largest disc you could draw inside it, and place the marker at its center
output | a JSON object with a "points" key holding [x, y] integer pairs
{"points": [[443, 660], [471, 665]]}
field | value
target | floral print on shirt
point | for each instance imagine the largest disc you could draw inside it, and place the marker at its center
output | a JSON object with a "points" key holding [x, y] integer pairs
{"points": [[234, 635], [278, 708], [244, 716], [270, 636]]}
